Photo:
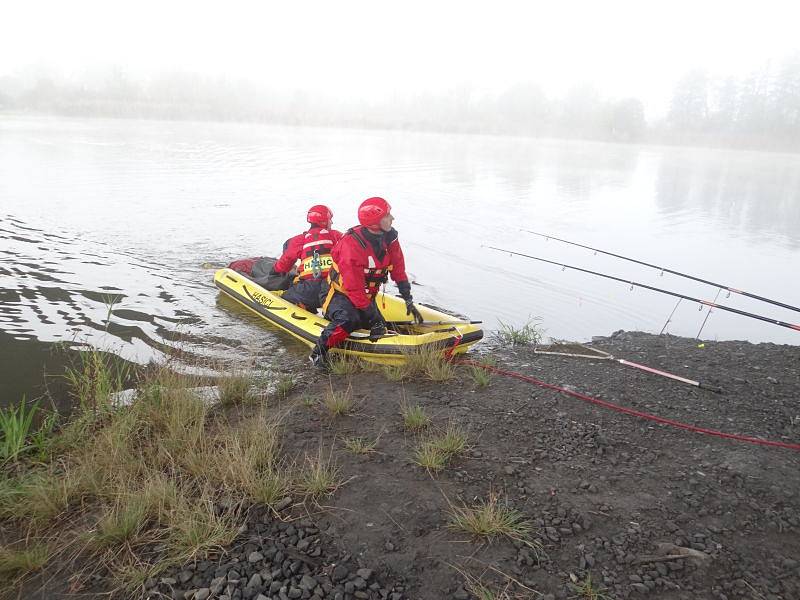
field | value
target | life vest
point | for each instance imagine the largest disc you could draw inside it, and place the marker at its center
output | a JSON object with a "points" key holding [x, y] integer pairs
{"points": [[315, 256], [376, 273]]}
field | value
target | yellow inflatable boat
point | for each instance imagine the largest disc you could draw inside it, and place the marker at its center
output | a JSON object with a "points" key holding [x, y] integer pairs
{"points": [[438, 331]]}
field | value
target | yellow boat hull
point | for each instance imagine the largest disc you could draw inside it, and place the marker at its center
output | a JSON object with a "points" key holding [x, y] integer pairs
{"points": [[390, 349]]}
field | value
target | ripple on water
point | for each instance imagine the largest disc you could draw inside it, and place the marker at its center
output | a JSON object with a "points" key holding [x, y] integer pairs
{"points": [[116, 301]]}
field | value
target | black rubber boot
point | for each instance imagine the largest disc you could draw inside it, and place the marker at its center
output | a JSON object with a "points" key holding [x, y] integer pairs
{"points": [[319, 358]]}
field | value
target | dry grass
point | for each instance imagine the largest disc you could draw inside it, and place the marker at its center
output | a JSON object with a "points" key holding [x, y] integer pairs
{"points": [[344, 364], [436, 452], [429, 362], [338, 403], [130, 575], [360, 445], [414, 416], [395, 372], [480, 375], [17, 563], [154, 470], [429, 456], [236, 388], [453, 441], [120, 524], [422, 362], [509, 589], [320, 477], [490, 520], [195, 528], [96, 380], [284, 385], [41, 496], [586, 589]]}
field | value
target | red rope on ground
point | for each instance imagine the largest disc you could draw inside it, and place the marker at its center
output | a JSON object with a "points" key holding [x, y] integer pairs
{"points": [[630, 411]]}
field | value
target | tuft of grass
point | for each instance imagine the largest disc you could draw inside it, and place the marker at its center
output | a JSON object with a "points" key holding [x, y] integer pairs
{"points": [[429, 456], [586, 589], [120, 524], [344, 364], [16, 423], [269, 486], [172, 418], [429, 362], [40, 496], [436, 452], [158, 496], [491, 520], [195, 528], [284, 385], [17, 563], [245, 459], [41, 440], [528, 334], [395, 372], [414, 417], [423, 362], [96, 381], [130, 576], [338, 403], [480, 375], [319, 477], [308, 400], [482, 591], [453, 441], [236, 389], [360, 445]]}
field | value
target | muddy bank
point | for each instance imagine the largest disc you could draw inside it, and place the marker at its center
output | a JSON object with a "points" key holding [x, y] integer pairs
{"points": [[617, 504], [610, 496]]}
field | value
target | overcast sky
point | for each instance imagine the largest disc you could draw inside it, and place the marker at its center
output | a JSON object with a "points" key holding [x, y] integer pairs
{"points": [[355, 48]]}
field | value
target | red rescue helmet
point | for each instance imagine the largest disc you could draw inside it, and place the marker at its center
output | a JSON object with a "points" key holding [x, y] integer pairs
{"points": [[372, 210], [319, 214]]}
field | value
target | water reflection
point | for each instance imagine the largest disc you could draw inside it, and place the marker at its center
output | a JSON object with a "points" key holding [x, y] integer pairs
{"points": [[758, 194]]}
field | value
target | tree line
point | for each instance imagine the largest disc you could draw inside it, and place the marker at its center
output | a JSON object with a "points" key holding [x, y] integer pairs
{"points": [[761, 110]]}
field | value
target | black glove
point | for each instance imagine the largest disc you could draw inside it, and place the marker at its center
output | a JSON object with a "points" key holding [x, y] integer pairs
{"points": [[377, 331], [412, 311], [405, 294], [405, 289], [374, 319]]}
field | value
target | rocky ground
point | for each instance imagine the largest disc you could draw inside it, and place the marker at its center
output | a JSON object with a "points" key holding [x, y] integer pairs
{"points": [[613, 499]]}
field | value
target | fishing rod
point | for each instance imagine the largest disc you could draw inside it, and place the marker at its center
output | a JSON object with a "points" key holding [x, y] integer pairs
{"points": [[655, 289], [601, 355], [665, 270]]}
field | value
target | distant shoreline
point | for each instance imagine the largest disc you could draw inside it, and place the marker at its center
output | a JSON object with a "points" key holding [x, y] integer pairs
{"points": [[652, 139]]}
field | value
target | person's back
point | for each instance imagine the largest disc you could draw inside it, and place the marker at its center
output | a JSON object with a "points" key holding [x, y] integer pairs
{"points": [[313, 249]]}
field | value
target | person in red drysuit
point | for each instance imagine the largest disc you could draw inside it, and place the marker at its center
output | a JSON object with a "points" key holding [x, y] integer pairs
{"points": [[313, 249], [362, 261]]}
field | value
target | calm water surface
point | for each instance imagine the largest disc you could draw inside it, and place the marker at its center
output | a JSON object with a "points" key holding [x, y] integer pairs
{"points": [[94, 209]]}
